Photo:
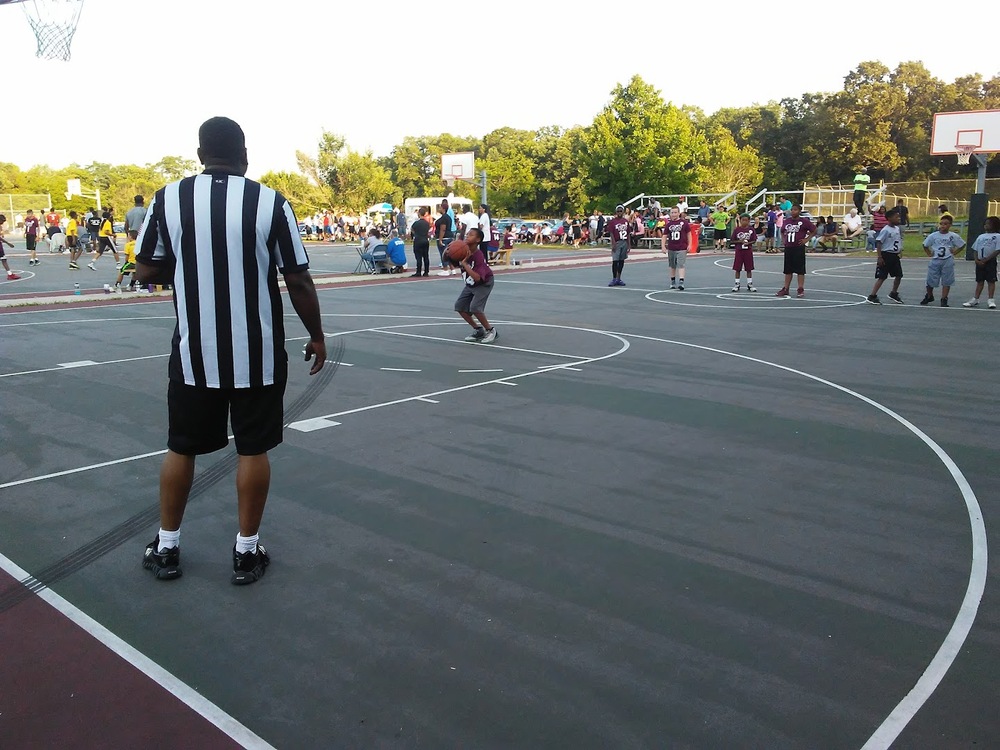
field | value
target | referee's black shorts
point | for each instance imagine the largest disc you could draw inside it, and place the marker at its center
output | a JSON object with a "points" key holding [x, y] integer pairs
{"points": [[198, 418]]}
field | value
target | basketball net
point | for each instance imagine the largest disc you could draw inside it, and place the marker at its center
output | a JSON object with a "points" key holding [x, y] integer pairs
{"points": [[53, 23], [964, 154], [450, 182]]}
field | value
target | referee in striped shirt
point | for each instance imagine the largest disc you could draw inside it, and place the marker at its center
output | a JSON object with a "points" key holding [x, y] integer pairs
{"points": [[221, 240]]}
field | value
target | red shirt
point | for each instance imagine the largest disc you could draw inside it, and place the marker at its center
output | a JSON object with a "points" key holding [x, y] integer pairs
{"points": [[793, 231], [677, 234], [617, 229], [52, 219], [744, 238]]}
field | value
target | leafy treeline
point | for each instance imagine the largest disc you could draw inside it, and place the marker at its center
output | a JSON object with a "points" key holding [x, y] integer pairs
{"points": [[639, 142]]}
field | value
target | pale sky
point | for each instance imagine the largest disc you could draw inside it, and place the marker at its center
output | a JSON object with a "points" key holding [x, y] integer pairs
{"points": [[287, 69]]}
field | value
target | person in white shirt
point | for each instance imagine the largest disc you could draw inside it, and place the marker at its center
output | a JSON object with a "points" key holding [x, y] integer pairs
{"points": [[484, 222], [851, 226], [468, 220], [682, 206]]}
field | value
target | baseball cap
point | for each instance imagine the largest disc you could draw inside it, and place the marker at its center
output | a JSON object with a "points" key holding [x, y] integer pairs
{"points": [[619, 207]]}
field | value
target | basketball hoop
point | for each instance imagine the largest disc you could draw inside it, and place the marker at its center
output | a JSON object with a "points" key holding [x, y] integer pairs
{"points": [[54, 23], [450, 182], [964, 153]]}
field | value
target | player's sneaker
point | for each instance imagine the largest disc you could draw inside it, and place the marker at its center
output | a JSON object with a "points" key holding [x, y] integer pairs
{"points": [[781, 292], [673, 286], [873, 299], [680, 287], [928, 298], [736, 287], [619, 282], [971, 303], [165, 565], [613, 282], [751, 288], [476, 335], [249, 567], [800, 293], [11, 276], [491, 336], [944, 302], [894, 296], [91, 266], [74, 267], [991, 304]]}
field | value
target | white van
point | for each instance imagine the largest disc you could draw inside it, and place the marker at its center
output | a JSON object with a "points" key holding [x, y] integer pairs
{"points": [[432, 204]]}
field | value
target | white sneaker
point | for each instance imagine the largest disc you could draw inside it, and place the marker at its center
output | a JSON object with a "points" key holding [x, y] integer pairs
{"points": [[491, 336], [91, 266], [971, 303], [736, 287], [991, 304], [751, 288], [478, 335], [444, 273]]}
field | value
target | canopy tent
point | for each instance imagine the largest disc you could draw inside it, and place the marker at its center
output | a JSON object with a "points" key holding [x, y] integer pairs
{"points": [[380, 208]]}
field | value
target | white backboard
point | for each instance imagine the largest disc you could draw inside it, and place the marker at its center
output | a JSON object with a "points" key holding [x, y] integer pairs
{"points": [[978, 128], [72, 188], [458, 166]]}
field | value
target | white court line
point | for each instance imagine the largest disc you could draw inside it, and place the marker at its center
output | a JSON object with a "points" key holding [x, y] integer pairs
{"points": [[77, 470], [466, 343], [906, 709], [497, 370], [558, 367], [428, 400], [186, 694], [78, 321], [399, 369], [84, 363], [575, 286]]}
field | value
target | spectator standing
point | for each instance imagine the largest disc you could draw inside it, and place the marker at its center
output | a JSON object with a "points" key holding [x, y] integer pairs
{"points": [[227, 354], [444, 231], [720, 219], [861, 180], [878, 221], [135, 215], [593, 228], [904, 213], [601, 222], [401, 223], [485, 224], [420, 232]]}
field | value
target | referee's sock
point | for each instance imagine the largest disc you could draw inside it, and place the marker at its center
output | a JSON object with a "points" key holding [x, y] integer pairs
{"points": [[169, 539], [246, 543]]}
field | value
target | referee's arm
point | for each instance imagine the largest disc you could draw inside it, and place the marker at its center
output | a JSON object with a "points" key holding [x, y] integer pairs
{"points": [[302, 292]]}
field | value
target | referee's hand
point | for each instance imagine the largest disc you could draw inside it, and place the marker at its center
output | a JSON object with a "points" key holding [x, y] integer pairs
{"points": [[317, 348]]}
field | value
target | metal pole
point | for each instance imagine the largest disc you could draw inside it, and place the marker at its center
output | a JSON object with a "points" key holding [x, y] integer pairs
{"points": [[981, 176], [482, 184], [97, 191]]}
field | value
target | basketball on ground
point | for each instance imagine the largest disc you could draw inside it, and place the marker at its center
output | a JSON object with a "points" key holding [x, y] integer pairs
{"points": [[458, 250]]}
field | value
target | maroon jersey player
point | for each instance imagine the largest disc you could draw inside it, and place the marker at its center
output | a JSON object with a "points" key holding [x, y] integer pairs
{"points": [[674, 242], [618, 230], [744, 236], [796, 233]]}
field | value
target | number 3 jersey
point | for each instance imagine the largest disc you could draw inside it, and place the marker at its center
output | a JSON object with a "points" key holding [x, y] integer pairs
{"points": [[941, 245]]}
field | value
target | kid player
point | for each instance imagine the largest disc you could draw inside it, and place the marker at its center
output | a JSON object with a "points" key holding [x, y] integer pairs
{"points": [[745, 238], [796, 231], [128, 267], [73, 240], [940, 247], [478, 284], [987, 247], [11, 276], [675, 242], [31, 225], [888, 245], [618, 230]]}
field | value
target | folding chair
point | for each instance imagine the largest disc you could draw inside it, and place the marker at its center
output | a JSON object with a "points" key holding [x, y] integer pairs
{"points": [[380, 259], [364, 265]]}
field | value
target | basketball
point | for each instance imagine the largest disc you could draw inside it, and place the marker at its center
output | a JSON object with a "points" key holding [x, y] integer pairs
{"points": [[458, 251]]}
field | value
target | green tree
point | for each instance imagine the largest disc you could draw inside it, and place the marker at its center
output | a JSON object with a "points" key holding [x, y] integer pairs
{"points": [[640, 144], [173, 168], [305, 196], [729, 166]]}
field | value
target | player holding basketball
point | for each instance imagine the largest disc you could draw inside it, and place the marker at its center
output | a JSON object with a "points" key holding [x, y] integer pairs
{"points": [[796, 231], [618, 230], [745, 238], [478, 276], [888, 245], [674, 243]]}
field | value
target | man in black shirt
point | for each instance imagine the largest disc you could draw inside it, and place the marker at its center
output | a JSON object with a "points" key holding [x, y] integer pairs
{"points": [[94, 222], [445, 234], [421, 242]]}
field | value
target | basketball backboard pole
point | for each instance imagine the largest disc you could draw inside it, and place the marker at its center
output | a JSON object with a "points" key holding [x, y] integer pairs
{"points": [[978, 206]]}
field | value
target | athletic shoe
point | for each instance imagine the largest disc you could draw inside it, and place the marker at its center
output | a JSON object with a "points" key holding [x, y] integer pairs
{"points": [[443, 273], [476, 335], [944, 302], [165, 565], [91, 266], [74, 267], [991, 304], [491, 336], [613, 282], [673, 286], [736, 287], [620, 283], [249, 567], [415, 275], [680, 287], [873, 298], [781, 292], [894, 296], [751, 288], [11, 276], [800, 293], [971, 303], [928, 298]]}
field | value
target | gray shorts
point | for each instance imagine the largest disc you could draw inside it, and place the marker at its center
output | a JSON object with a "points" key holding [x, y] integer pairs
{"points": [[676, 258], [473, 298], [619, 251], [941, 271]]}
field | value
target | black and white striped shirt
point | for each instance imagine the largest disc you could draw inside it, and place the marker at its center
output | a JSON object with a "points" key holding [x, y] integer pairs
{"points": [[226, 238]]}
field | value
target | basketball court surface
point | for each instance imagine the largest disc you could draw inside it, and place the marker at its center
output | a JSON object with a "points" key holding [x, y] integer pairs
{"points": [[641, 518]]}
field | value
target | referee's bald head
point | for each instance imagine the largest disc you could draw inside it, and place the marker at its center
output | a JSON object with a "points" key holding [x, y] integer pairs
{"points": [[221, 139]]}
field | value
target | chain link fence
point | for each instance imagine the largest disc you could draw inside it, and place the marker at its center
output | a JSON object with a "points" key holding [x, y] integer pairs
{"points": [[15, 205]]}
